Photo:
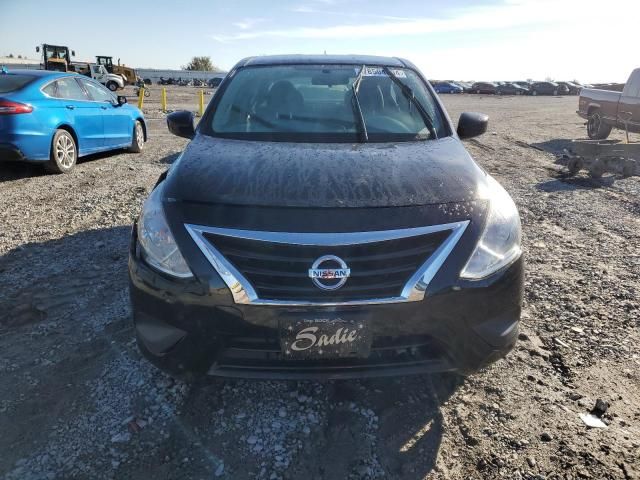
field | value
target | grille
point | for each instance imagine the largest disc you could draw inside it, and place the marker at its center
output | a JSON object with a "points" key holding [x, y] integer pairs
{"points": [[255, 357], [279, 271]]}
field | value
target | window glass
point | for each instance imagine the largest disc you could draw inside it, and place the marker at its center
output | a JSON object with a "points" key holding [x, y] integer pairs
{"points": [[50, 89], [632, 88], [316, 102], [98, 92], [13, 82], [69, 88]]}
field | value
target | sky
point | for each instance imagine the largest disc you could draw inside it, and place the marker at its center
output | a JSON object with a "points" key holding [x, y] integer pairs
{"points": [[452, 39]]}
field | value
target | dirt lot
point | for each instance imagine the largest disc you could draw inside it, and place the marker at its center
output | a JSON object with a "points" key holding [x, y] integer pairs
{"points": [[78, 401]]}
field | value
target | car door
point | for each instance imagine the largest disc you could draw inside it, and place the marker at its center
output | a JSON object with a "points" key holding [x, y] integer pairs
{"points": [[98, 73], [84, 116], [118, 124]]}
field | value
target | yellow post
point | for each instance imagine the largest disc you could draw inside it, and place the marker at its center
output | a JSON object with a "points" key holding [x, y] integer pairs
{"points": [[201, 95], [140, 97], [163, 100]]}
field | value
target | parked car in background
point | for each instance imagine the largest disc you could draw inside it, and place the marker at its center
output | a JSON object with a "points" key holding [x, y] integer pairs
{"points": [[511, 89], [484, 87], [614, 87], [605, 109], [466, 86], [240, 267], [523, 84], [55, 117], [573, 89], [214, 82], [446, 87], [548, 88]]}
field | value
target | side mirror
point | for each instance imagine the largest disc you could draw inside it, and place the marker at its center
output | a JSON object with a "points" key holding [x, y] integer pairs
{"points": [[37, 49], [180, 123], [122, 100], [472, 124], [73, 53]]}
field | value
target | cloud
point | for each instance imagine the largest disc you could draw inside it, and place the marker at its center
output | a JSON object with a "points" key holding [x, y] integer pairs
{"points": [[356, 15], [475, 18], [248, 23], [511, 13]]}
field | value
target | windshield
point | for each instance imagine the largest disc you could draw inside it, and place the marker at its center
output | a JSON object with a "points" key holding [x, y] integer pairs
{"points": [[13, 82], [307, 103]]}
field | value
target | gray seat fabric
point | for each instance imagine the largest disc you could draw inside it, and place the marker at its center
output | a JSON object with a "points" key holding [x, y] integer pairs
{"points": [[284, 99], [371, 98]]}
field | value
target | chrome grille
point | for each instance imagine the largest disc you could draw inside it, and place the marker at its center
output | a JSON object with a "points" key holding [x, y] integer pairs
{"points": [[272, 267]]}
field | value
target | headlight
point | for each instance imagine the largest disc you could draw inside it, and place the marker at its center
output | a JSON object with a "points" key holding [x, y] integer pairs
{"points": [[159, 248], [499, 244]]}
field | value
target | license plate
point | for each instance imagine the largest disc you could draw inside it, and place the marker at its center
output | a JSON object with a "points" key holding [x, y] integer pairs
{"points": [[325, 338]]}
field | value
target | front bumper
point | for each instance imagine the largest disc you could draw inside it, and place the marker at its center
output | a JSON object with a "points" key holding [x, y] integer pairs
{"points": [[187, 327]]}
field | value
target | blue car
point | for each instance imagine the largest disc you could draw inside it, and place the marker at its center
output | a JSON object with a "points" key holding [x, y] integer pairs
{"points": [[56, 117], [447, 87]]}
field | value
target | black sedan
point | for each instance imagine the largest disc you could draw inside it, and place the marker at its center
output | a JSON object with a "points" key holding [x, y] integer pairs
{"points": [[548, 88], [573, 88], [484, 87], [325, 221], [511, 89]]}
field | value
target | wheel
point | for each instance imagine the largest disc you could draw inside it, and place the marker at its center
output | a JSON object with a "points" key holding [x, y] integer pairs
{"points": [[147, 93], [597, 168], [596, 128], [574, 165], [629, 168], [111, 85], [534, 93], [499, 92], [64, 153], [137, 140], [555, 92]]}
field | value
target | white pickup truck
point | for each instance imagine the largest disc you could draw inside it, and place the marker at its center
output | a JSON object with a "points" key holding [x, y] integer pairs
{"points": [[110, 80]]}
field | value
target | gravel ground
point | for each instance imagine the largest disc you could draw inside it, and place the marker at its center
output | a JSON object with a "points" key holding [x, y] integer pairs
{"points": [[78, 401]]}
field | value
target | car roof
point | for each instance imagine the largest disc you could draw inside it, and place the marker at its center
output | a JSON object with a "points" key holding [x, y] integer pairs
{"points": [[325, 60], [35, 73]]}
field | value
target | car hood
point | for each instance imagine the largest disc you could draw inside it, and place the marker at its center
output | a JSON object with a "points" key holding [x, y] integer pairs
{"points": [[236, 172]]}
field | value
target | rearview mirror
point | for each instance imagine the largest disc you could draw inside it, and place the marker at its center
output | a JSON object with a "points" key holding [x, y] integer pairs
{"points": [[330, 79], [122, 100], [472, 124], [180, 123]]}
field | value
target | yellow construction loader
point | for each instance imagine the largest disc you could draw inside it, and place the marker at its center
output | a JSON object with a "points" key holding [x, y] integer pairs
{"points": [[56, 57]]}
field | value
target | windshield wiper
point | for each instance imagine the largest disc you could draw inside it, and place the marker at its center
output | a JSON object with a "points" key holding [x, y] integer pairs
{"points": [[408, 92], [355, 103]]}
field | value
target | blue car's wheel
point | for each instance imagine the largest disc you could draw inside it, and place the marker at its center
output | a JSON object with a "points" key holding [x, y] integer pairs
{"points": [[64, 153], [137, 141]]}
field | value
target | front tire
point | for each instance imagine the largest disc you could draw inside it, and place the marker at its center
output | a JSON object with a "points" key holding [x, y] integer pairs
{"points": [[534, 93], [64, 153], [137, 141], [596, 128], [113, 86]]}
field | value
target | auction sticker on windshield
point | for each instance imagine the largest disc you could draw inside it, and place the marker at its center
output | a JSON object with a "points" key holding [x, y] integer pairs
{"points": [[379, 72]]}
